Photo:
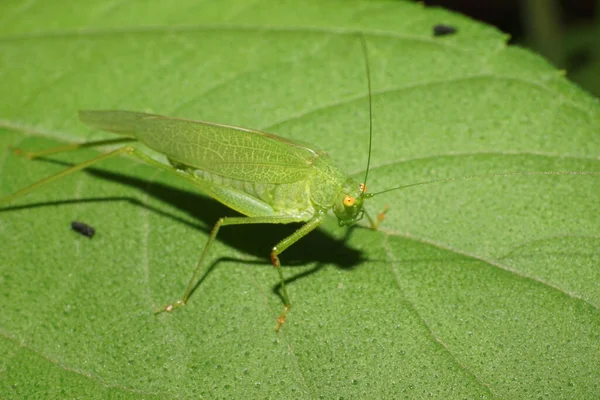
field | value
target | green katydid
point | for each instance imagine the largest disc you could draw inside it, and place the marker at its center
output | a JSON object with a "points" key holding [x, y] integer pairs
{"points": [[267, 178]]}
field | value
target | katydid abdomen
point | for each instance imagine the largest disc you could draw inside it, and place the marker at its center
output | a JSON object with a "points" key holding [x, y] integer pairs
{"points": [[256, 199]]}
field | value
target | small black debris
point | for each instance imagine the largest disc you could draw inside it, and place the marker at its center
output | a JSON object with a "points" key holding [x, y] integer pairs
{"points": [[443, 30], [83, 228]]}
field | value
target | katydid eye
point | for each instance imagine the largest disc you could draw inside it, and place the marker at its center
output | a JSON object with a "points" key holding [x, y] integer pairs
{"points": [[348, 201]]}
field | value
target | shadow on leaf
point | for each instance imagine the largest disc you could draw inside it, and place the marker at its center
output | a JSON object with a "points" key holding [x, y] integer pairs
{"points": [[255, 240]]}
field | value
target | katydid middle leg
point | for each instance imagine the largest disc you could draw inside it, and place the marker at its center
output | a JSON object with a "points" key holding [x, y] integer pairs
{"points": [[280, 248]]}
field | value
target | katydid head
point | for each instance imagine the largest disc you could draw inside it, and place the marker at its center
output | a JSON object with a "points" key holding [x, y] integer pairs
{"points": [[348, 207]]}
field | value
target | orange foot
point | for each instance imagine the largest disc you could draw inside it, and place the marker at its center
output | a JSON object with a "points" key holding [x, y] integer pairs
{"points": [[281, 318], [169, 307]]}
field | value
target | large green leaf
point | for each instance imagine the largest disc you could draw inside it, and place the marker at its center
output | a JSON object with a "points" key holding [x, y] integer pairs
{"points": [[480, 288]]}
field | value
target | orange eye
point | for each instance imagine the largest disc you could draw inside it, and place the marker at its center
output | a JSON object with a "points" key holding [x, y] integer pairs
{"points": [[363, 187], [348, 201]]}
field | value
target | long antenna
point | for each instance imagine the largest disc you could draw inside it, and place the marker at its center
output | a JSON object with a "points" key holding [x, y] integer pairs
{"points": [[460, 178], [368, 70]]}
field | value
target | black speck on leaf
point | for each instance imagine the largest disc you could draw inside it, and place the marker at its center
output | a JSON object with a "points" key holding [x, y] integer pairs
{"points": [[443, 30], [83, 228]]}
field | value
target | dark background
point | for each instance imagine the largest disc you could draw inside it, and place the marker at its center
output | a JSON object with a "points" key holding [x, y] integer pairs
{"points": [[566, 32]]}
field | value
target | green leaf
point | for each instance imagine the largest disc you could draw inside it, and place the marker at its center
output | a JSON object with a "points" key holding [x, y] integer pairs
{"points": [[477, 288]]}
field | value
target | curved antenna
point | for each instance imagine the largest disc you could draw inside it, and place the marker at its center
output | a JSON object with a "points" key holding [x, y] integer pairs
{"points": [[460, 178], [368, 71]]}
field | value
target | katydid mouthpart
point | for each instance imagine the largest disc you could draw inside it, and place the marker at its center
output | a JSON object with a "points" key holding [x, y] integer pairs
{"points": [[267, 178]]}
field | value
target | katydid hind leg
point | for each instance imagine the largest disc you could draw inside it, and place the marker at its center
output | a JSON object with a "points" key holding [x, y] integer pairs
{"points": [[69, 147], [126, 150], [66, 172]]}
